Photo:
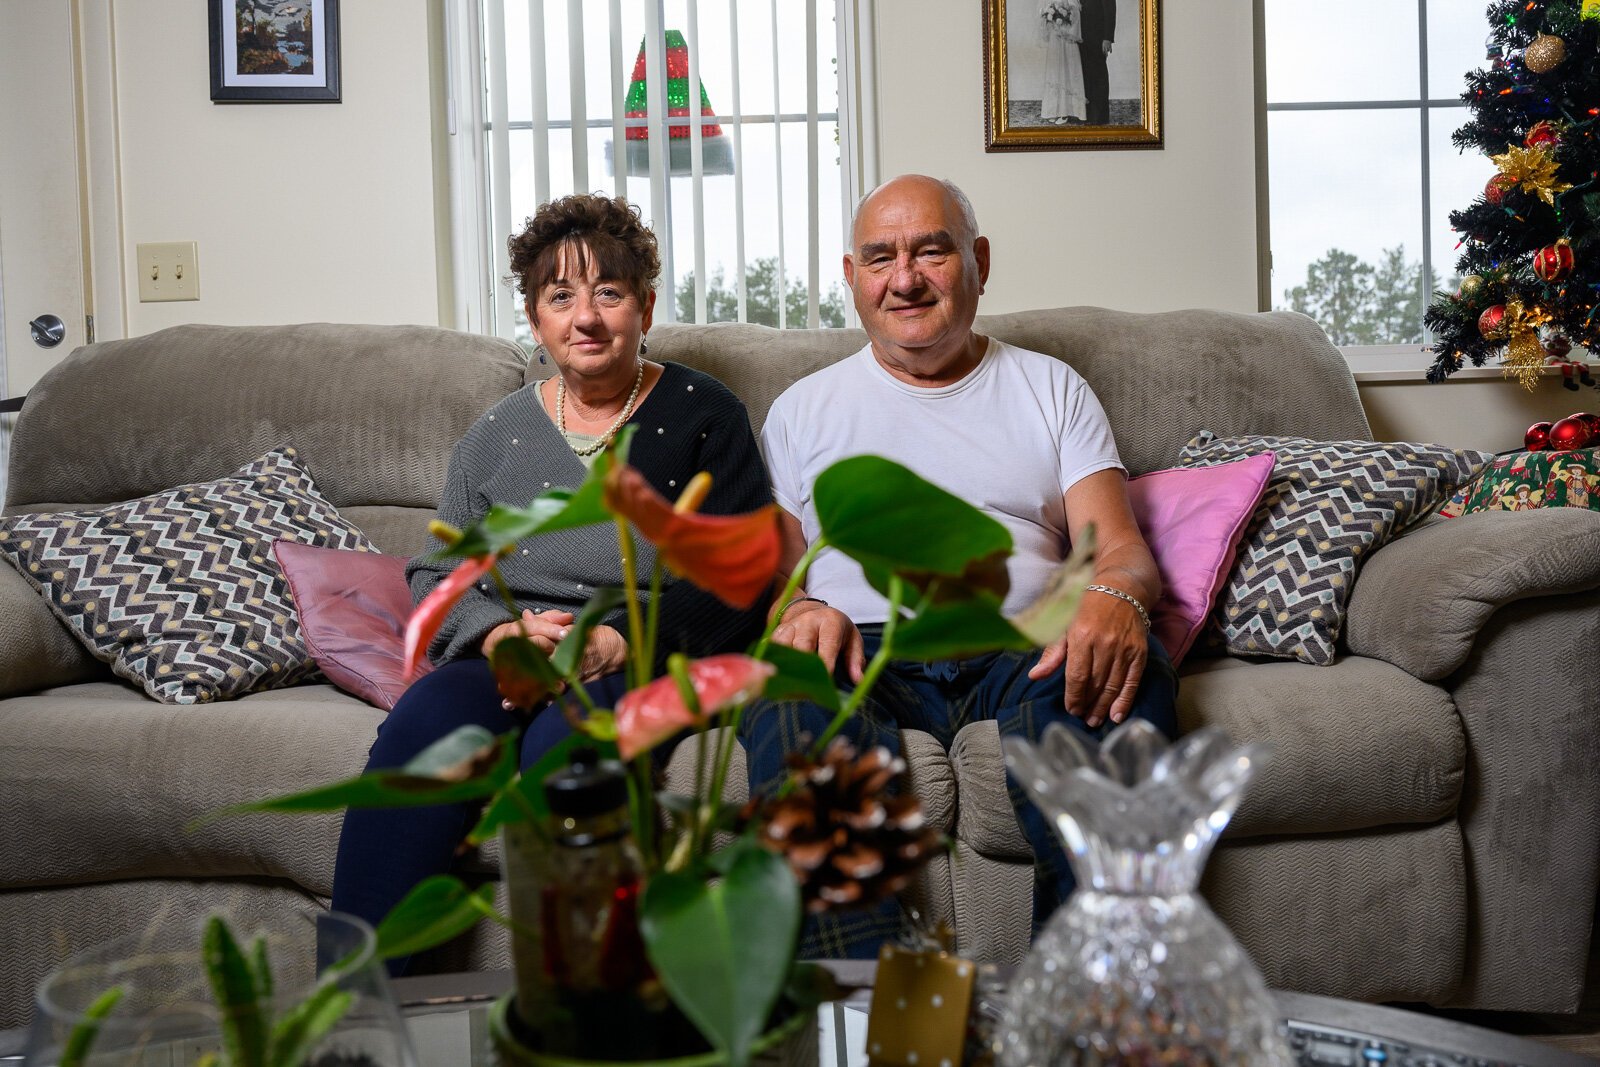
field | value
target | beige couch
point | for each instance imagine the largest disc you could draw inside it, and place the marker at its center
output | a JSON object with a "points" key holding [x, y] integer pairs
{"points": [[1427, 832]]}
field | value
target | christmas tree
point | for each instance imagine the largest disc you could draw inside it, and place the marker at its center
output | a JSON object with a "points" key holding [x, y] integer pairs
{"points": [[1530, 251]]}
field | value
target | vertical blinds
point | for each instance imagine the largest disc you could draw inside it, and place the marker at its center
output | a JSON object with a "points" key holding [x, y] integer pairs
{"points": [[648, 99]]}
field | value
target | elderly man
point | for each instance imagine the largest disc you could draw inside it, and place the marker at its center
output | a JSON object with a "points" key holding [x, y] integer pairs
{"points": [[1017, 433]]}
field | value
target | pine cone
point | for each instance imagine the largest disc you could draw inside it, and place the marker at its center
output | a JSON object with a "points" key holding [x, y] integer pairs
{"points": [[847, 839]]}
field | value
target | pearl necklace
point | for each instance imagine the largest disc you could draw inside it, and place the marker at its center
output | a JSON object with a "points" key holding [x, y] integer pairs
{"points": [[561, 414]]}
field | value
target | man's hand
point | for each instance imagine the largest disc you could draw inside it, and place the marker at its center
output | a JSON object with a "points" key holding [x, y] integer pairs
{"points": [[1105, 48], [1104, 652], [605, 652], [812, 627]]}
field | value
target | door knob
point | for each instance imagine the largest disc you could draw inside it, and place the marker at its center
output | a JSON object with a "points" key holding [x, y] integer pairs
{"points": [[47, 330]]}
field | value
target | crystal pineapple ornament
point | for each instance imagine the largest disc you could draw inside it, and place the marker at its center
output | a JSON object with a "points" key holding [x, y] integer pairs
{"points": [[1135, 968]]}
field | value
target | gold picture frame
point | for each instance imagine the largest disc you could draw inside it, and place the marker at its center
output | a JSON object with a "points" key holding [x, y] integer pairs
{"points": [[1041, 86]]}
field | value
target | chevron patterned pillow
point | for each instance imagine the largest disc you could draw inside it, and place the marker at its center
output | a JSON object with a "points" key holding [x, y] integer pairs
{"points": [[1330, 504], [179, 591]]}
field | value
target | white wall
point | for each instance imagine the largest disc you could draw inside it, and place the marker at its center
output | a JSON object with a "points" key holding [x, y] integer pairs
{"points": [[303, 212], [1139, 230]]}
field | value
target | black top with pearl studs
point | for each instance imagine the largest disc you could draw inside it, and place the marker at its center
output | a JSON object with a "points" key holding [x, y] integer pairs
{"points": [[690, 422]]}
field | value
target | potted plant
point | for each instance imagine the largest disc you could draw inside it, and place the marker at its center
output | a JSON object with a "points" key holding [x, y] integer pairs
{"points": [[723, 888], [175, 994]]}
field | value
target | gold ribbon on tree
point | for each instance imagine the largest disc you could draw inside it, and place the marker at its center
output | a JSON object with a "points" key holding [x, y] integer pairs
{"points": [[1533, 169], [1524, 352]]}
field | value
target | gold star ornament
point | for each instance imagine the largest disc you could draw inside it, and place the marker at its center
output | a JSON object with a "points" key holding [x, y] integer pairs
{"points": [[1533, 169]]}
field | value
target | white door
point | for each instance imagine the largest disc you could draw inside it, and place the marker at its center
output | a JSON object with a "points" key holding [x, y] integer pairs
{"points": [[41, 232]]}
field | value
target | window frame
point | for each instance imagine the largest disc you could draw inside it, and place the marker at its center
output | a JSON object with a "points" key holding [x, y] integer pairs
{"points": [[475, 280], [1390, 362]]}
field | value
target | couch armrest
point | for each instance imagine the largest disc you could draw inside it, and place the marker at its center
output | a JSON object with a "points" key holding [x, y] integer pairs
{"points": [[1421, 600], [36, 651]]}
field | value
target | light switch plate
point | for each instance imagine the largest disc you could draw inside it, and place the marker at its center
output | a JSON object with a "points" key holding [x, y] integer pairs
{"points": [[169, 270]]}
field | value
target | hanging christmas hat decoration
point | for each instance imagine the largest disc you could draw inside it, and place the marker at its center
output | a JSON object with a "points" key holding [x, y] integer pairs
{"points": [[716, 151]]}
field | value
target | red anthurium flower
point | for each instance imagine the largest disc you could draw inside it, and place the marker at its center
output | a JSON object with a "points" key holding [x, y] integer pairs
{"points": [[430, 614], [652, 713], [733, 556]]}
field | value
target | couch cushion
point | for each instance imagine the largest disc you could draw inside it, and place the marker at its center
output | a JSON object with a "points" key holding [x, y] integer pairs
{"points": [[1237, 384], [178, 591], [1218, 370], [36, 651], [1192, 519], [375, 410], [138, 772], [1357, 744], [353, 608], [1329, 506]]}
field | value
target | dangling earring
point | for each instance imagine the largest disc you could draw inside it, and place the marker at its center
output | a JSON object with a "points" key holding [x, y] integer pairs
{"points": [[644, 347], [541, 354]]}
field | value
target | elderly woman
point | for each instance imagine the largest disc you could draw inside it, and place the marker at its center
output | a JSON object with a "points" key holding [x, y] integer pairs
{"points": [[586, 267]]}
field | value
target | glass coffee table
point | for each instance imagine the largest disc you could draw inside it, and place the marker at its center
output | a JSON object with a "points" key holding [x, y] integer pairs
{"points": [[448, 1015]]}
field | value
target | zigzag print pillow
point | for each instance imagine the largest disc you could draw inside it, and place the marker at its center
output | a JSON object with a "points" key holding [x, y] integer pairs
{"points": [[179, 592], [1329, 505]]}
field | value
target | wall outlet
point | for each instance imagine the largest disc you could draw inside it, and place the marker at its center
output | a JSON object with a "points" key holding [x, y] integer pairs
{"points": [[169, 271]]}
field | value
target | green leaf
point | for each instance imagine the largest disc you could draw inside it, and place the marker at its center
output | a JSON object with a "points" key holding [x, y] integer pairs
{"points": [[801, 676], [414, 785], [723, 949], [523, 800], [517, 657], [83, 1035], [436, 910], [1048, 617], [559, 509], [261, 967], [569, 653], [233, 985], [882, 515], [302, 1026], [957, 631]]}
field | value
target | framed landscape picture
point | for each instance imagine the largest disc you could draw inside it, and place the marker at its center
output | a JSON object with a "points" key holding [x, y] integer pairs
{"points": [[1071, 74], [274, 51]]}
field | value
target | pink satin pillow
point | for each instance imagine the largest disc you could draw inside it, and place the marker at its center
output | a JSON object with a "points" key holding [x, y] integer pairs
{"points": [[353, 608], [1193, 519]]}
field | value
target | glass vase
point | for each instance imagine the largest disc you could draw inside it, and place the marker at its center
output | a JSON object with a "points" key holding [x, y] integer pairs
{"points": [[1135, 968], [167, 1015]]}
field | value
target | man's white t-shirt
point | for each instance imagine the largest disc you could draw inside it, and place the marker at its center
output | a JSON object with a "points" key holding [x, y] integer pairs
{"points": [[1010, 438]]}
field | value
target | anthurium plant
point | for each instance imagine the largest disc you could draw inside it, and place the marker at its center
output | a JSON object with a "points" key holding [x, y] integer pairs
{"points": [[719, 920]]}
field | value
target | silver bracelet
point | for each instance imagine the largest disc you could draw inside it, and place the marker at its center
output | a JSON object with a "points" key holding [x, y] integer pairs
{"points": [[792, 603], [1144, 616]]}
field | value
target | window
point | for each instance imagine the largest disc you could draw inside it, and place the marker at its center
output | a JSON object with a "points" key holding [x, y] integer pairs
{"points": [[1362, 99], [748, 201]]}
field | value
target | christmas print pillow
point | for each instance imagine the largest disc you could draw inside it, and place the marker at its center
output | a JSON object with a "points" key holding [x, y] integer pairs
{"points": [[1524, 481]]}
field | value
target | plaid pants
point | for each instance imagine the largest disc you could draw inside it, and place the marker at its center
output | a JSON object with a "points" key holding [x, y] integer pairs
{"points": [[940, 699]]}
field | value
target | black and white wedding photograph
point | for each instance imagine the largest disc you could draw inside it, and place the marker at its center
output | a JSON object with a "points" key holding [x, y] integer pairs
{"points": [[1071, 73]]}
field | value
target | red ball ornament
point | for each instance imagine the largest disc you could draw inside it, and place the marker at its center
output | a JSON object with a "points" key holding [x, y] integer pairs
{"points": [[1554, 262], [1543, 133], [1496, 188], [1591, 420], [1569, 433], [1492, 323], [1537, 439]]}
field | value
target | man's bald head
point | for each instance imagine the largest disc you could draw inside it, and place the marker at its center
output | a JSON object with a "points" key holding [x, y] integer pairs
{"points": [[964, 220]]}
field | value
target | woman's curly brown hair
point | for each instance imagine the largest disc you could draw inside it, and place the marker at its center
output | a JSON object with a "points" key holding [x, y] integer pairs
{"points": [[607, 229]]}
